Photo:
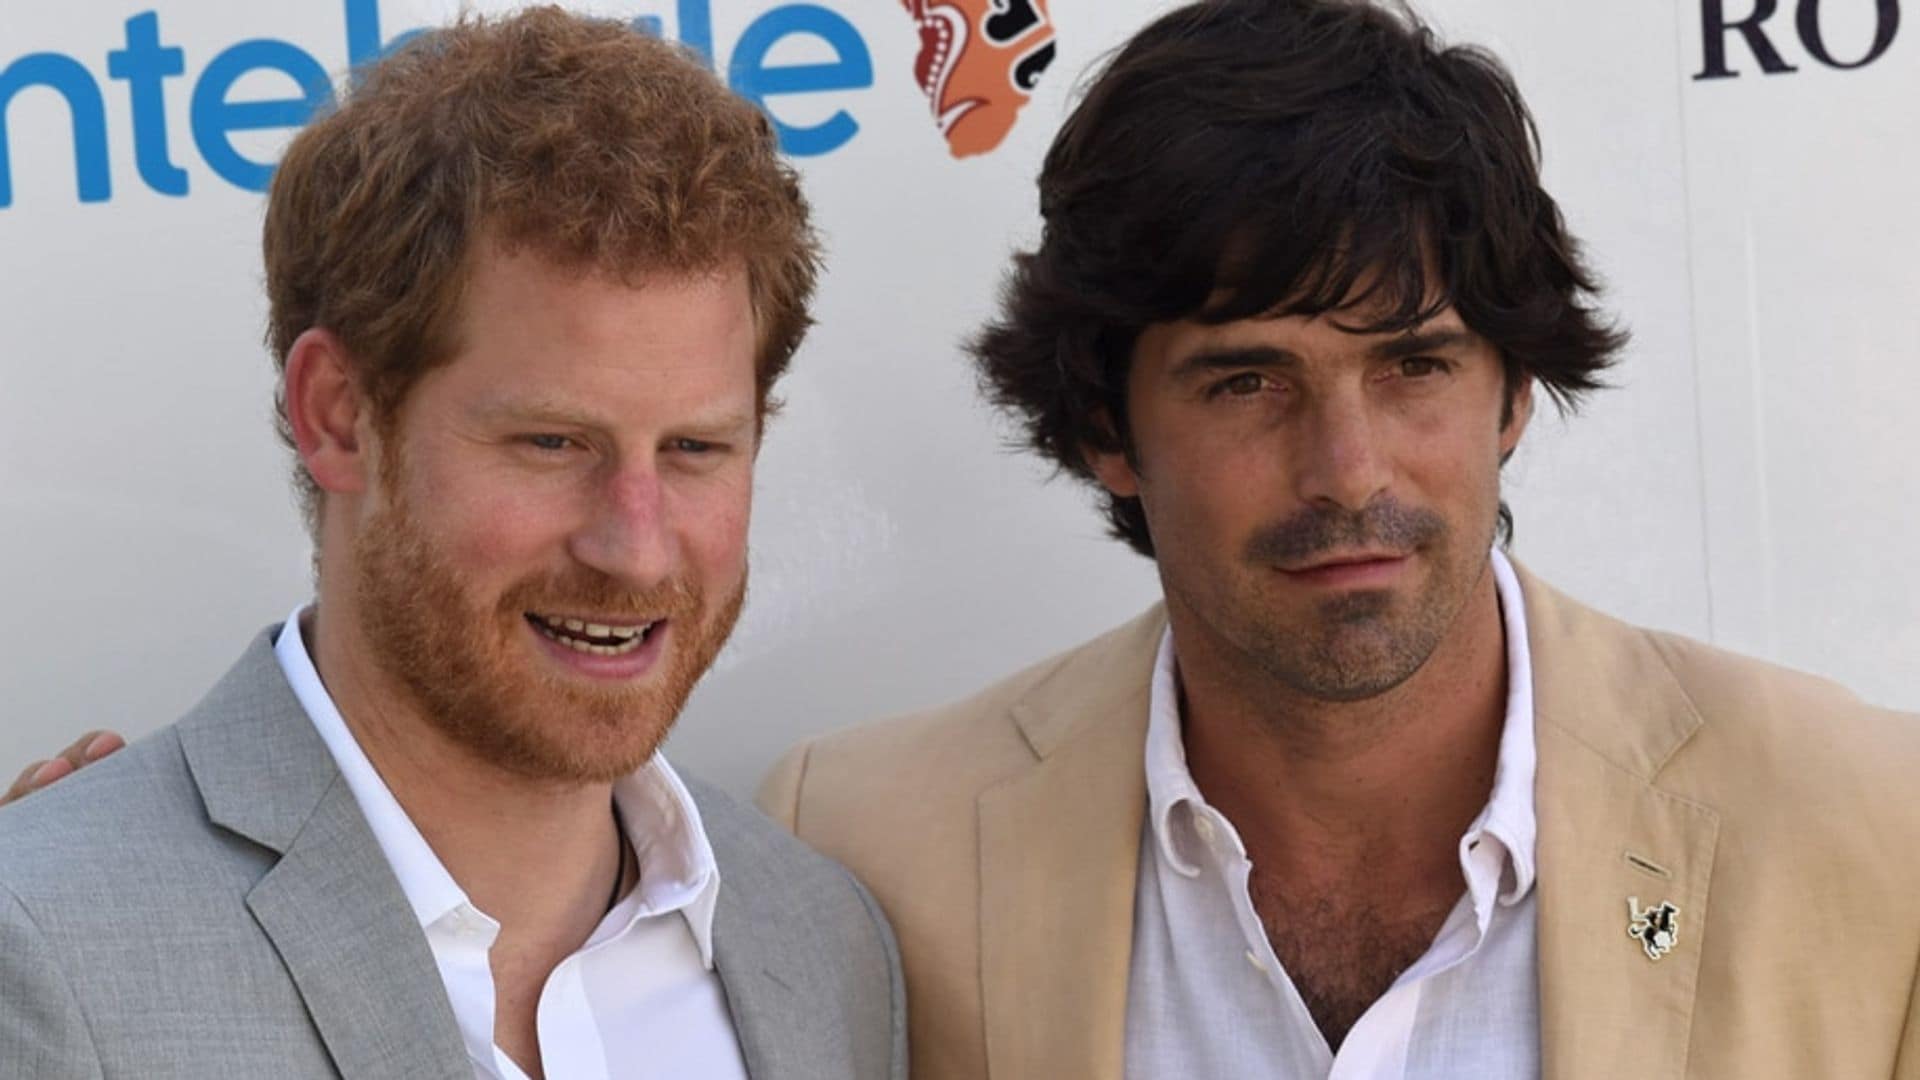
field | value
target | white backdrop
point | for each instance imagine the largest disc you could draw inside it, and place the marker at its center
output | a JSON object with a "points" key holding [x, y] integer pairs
{"points": [[1751, 481]]}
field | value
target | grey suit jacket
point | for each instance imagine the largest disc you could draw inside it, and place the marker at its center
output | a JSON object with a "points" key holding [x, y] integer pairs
{"points": [[210, 902]]}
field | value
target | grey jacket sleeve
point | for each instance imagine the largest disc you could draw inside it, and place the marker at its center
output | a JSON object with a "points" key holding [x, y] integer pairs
{"points": [[43, 1033]]}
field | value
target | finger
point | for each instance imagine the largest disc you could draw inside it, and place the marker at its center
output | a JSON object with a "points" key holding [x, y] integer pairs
{"points": [[23, 783], [39, 776], [91, 747], [101, 745]]}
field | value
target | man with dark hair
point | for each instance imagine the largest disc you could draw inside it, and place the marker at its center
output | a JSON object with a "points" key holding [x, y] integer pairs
{"points": [[1363, 798], [421, 829]]}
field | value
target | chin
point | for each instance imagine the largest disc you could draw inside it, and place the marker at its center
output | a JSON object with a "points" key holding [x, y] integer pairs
{"points": [[570, 750]]}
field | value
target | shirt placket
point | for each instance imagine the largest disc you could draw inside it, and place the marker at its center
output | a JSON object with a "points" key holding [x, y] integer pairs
{"points": [[1228, 859], [1377, 1046], [461, 941], [569, 1038]]}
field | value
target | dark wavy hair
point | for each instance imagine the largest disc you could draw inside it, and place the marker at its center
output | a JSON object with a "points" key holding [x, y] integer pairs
{"points": [[1244, 158]]}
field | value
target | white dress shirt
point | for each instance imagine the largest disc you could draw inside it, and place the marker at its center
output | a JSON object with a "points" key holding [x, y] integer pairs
{"points": [[639, 999], [1208, 997]]}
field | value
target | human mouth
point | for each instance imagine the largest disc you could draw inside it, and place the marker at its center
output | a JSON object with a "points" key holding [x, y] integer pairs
{"points": [[593, 638], [1350, 570]]}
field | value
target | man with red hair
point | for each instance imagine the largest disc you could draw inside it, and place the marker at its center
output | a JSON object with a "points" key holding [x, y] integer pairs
{"points": [[422, 828]]}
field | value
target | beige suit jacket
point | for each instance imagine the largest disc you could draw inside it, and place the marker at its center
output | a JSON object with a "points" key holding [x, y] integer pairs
{"points": [[1782, 817]]}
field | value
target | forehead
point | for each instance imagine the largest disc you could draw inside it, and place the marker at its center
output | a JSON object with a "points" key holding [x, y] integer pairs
{"points": [[584, 301], [532, 331]]}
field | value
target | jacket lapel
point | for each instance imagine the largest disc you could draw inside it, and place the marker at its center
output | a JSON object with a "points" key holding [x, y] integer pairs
{"points": [[748, 931], [760, 1001], [330, 905], [1609, 715], [1059, 849]]}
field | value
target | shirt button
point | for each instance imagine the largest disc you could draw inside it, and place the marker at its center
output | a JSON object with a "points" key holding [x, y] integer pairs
{"points": [[1259, 965], [1205, 828]]}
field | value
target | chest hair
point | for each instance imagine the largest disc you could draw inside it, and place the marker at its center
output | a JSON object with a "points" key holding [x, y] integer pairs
{"points": [[1343, 948]]}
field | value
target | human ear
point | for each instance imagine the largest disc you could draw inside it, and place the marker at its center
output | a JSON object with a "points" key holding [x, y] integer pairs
{"points": [[325, 410], [1518, 412], [1114, 472], [1113, 468]]}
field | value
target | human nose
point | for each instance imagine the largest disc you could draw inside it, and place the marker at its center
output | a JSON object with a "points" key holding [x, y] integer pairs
{"points": [[627, 536], [1340, 461]]}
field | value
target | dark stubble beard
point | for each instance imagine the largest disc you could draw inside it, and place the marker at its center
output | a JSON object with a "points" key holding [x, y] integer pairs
{"points": [[1361, 644], [472, 670]]}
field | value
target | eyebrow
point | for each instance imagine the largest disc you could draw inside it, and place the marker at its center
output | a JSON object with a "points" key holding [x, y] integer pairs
{"points": [[563, 415], [1416, 342], [1240, 357], [535, 411], [1233, 356]]}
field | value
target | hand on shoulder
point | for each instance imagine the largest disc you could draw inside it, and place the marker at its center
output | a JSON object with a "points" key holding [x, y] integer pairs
{"points": [[84, 751]]}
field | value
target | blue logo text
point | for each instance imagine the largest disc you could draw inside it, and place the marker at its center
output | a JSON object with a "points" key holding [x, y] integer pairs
{"points": [[145, 63]]}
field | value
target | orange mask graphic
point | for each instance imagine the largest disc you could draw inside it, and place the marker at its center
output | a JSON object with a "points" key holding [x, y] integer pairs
{"points": [[979, 62]]}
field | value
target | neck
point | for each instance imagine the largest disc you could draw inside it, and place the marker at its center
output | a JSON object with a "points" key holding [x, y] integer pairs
{"points": [[1318, 787], [492, 829]]}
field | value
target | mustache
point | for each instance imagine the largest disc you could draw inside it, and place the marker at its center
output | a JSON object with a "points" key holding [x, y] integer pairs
{"points": [[589, 591], [1318, 530]]}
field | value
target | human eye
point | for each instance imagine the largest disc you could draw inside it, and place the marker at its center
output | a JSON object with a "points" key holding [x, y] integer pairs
{"points": [[700, 453], [1424, 367], [1239, 385], [547, 442]]}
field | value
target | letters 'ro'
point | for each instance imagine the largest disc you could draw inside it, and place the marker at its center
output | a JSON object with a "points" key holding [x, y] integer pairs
{"points": [[1716, 28]]}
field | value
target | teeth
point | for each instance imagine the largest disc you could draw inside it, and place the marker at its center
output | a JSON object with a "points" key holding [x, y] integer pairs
{"points": [[626, 638], [578, 645]]}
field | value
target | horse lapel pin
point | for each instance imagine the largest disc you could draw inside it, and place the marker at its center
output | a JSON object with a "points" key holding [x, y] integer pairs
{"points": [[1657, 929]]}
